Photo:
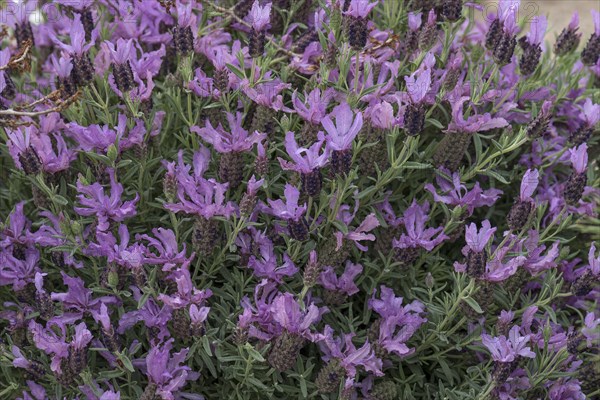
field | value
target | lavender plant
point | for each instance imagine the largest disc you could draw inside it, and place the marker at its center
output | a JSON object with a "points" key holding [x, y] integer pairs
{"points": [[297, 200]]}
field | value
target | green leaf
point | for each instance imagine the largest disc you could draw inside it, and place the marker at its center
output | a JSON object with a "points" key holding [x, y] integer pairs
{"points": [[474, 305], [238, 72]]}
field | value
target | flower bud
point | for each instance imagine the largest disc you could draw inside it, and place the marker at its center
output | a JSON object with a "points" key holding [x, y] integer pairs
{"points": [[591, 53], [231, 168], [312, 182], [519, 215]]}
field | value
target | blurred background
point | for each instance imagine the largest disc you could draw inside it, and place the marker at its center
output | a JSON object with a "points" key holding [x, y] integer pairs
{"points": [[559, 14]]}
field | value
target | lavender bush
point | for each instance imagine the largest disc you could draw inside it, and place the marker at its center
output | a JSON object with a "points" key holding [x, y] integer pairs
{"points": [[297, 200]]}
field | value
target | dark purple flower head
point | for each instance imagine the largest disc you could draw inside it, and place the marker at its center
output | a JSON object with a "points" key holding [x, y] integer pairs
{"points": [[345, 282], [314, 107], [416, 234], [259, 16], [305, 160], [94, 202], [167, 371], [343, 350], [360, 8], [347, 126], [457, 194], [223, 141], [507, 349]]}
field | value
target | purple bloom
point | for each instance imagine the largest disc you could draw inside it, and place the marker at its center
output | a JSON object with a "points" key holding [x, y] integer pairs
{"points": [[566, 390], [259, 16], [360, 8], [290, 208], [78, 299], [120, 52], [343, 350], [345, 282], [340, 136], [457, 194], [154, 317], [197, 195], [398, 323], [224, 142], [579, 158], [359, 234], [477, 240], [591, 330], [166, 371], [16, 272], [286, 312], [186, 293], [528, 184], [78, 44], [505, 349], [314, 107], [107, 209], [416, 235], [475, 123], [167, 254], [267, 93], [418, 83], [267, 264], [537, 31], [304, 160]]}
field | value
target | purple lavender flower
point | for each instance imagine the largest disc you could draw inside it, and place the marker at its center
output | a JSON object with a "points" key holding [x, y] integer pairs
{"points": [[417, 236], [531, 45], [342, 359], [456, 194], [267, 265], [525, 205], [259, 16], [167, 254], [360, 8], [225, 142], [474, 251], [473, 124], [507, 349], [314, 107], [344, 284], [186, 294], [154, 317], [107, 209], [165, 372], [397, 323], [341, 135], [590, 330], [197, 195], [359, 234], [78, 300], [307, 161], [291, 212]]}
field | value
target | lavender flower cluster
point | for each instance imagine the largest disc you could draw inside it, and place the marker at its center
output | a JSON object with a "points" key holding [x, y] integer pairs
{"points": [[336, 199]]}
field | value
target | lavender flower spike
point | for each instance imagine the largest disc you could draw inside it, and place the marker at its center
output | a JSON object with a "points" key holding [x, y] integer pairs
{"points": [[340, 136], [292, 212], [525, 205]]}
